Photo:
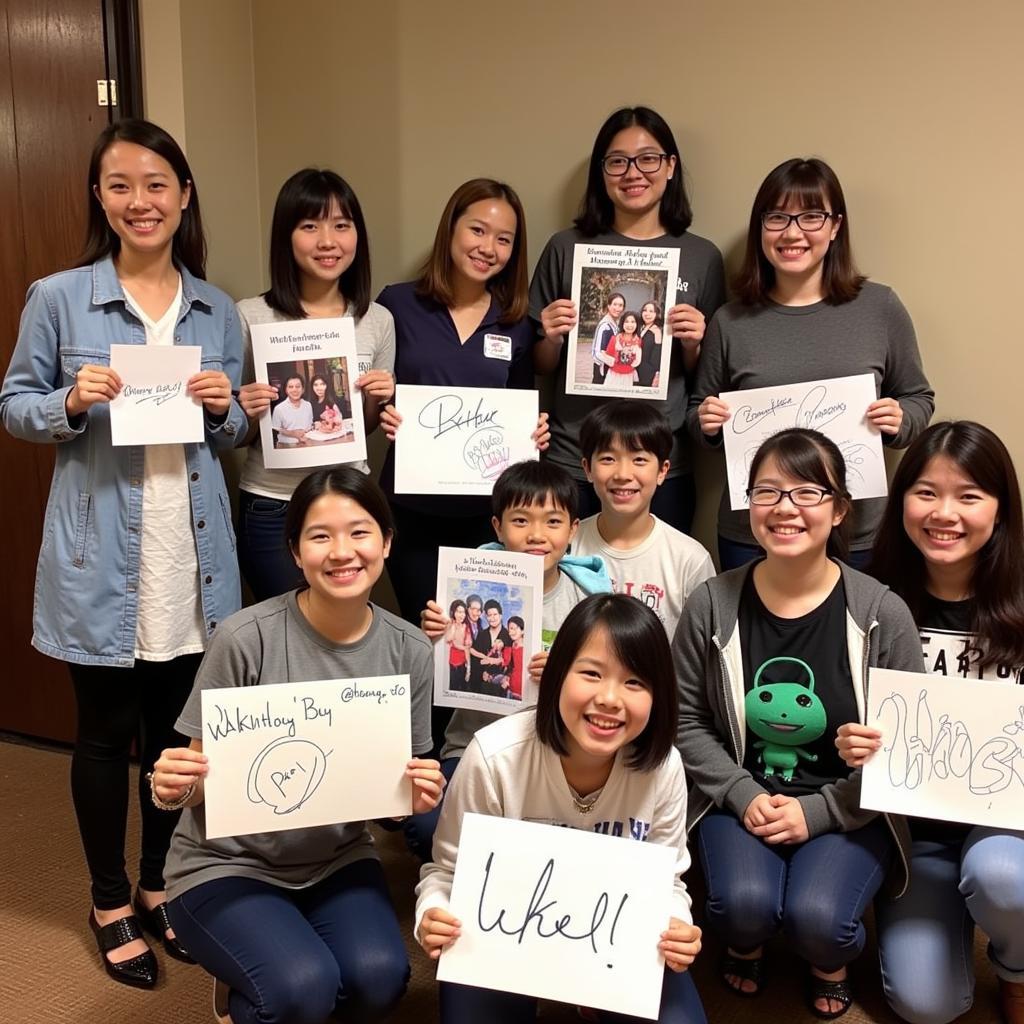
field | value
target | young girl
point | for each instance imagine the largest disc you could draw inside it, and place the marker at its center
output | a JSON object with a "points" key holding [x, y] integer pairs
{"points": [[459, 641], [650, 345], [319, 267], [137, 565], [294, 923], [951, 543], [326, 409], [804, 313], [606, 329], [566, 763], [461, 323], [770, 659], [293, 418], [635, 196], [623, 354]]}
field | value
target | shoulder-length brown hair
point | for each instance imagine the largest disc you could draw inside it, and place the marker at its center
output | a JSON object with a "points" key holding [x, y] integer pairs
{"points": [[510, 287], [812, 184]]}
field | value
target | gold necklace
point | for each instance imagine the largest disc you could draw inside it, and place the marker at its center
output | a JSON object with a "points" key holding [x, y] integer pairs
{"points": [[584, 806]]}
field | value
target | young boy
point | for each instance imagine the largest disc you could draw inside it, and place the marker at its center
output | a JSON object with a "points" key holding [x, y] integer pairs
{"points": [[535, 510], [625, 446]]}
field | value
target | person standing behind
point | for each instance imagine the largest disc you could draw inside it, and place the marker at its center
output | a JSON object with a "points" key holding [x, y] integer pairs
{"points": [[635, 196], [137, 567], [650, 345]]}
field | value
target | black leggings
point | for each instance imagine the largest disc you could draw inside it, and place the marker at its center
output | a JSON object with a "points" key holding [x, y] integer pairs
{"points": [[115, 707]]}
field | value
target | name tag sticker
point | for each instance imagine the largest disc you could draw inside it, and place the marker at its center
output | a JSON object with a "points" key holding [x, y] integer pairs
{"points": [[498, 346]]}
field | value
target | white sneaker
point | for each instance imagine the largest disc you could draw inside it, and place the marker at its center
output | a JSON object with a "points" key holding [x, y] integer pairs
{"points": [[220, 1002]]}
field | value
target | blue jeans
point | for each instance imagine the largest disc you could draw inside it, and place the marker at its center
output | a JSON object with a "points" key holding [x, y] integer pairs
{"points": [[926, 938], [419, 828], [466, 1004], [732, 554], [815, 892], [263, 555], [294, 956], [674, 502]]}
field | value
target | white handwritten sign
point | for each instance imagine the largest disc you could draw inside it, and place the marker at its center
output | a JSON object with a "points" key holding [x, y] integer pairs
{"points": [[560, 914], [318, 419], [460, 440], [154, 406], [495, 600], [294, 755], [622, 344], [951, 749], [836, 407]]}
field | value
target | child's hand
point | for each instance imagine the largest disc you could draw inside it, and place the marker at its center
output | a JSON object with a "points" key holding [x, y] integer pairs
{"points": [[713, 414], [679, 945], [390, 421], [213, 389], [378, 384], [255, 399], [557, 319], [856, 743], [427, 784], [437, 931], [541, 435], [433, 621], [786, 823], [176, 769], [536, 666]]}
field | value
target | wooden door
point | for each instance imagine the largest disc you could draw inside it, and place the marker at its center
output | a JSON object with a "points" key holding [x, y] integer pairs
{"points": [[51, 56]]}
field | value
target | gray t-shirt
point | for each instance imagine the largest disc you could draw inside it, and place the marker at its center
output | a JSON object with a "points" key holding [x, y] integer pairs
{"points": [[701, 283], [272, 642], [770, 345]]}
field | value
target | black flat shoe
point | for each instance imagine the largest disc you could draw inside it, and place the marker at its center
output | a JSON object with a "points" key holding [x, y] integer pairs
{"points": [[141, 970], [157, 923]]}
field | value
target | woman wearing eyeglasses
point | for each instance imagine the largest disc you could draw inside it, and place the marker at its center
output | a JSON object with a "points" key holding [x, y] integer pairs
{"points": [[635, 196], [769, 658], [804, 313]]}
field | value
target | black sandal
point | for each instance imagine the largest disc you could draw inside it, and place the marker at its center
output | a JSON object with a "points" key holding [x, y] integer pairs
{"points": [[745, 970], [834, 991]]}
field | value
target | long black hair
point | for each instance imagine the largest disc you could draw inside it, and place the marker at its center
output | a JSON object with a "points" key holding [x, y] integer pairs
{"points": [[997, 582], [189, 246]]}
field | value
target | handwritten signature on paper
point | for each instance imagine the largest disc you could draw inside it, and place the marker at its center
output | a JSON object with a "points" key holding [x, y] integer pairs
{"points": [[286, 773], [155, 393], [448, 412], [922, 750], [813, 411], [559, 924]]}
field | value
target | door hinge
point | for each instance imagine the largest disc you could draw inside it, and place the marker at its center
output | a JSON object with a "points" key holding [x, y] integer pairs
{"points": [[106, 92]]}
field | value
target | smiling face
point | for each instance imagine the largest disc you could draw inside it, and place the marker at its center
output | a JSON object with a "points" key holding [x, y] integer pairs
{"points": [[459, 613], [515, 632], [786, 530], [629, 325], [494, 618], [602, 704], [483, 239], [324, 247], [648, 313], [540, 529], [616, 306], [320, 388], [475, 610], [341, 549], [624, 480], [635, 192], [293, 389], [946, 515], [795, 252], [141, 197]]}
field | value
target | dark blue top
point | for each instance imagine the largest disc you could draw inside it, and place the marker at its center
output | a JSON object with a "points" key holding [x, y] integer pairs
{"points": [[428, 352]]}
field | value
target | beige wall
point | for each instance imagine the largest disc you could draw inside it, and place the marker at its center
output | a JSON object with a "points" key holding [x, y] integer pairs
{"points": [[916, 103]]}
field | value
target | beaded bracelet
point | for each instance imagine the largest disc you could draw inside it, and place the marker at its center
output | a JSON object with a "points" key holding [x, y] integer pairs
{"points": [[169, 805]]}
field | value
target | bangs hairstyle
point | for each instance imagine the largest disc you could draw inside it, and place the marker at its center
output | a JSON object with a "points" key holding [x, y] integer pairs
{"points": [[530, 483], [597, 212], [509, 287], [811, 456], [997, 582], [346, 482], [812, 185], [636, 425], [188, 248], [638, 639], [308, 195], [637, 321]]}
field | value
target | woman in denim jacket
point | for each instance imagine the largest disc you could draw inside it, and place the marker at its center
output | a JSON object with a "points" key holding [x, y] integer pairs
{"points": [[137, 564]]}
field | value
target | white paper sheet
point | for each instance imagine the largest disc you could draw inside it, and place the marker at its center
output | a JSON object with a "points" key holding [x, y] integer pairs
{"points": [[153, 406], [951, 749], [560, 914], [639, 274], [310, 349], [294, 755], [836, 407], [516, 582], [460, 440]]}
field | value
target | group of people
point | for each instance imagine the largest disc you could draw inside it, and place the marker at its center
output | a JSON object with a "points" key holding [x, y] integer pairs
{"points": [[654, 718], [304, 410], [627, 345]]}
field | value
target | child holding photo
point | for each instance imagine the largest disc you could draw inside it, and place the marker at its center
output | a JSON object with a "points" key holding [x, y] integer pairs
{"points": [[623, 354], [595, 754]]}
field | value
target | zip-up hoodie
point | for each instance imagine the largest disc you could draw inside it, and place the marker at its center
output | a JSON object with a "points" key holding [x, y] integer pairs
{"points": [[711, 736]]}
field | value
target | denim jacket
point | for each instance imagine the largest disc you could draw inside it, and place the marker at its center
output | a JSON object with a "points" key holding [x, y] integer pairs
{"points": [[86, 593]]}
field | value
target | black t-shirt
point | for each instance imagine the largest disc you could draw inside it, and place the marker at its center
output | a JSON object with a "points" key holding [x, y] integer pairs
{"points": [[799, 691]]}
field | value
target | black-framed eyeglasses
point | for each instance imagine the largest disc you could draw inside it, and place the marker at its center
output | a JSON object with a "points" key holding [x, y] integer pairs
{"points": [[808, 220], [805, 496], [647, 163]]}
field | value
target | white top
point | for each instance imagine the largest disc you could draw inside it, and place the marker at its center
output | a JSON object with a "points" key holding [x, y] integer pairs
{"points": [[507, 772], [170, 621], [375, 350], [287, 416], [661, 570]]}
